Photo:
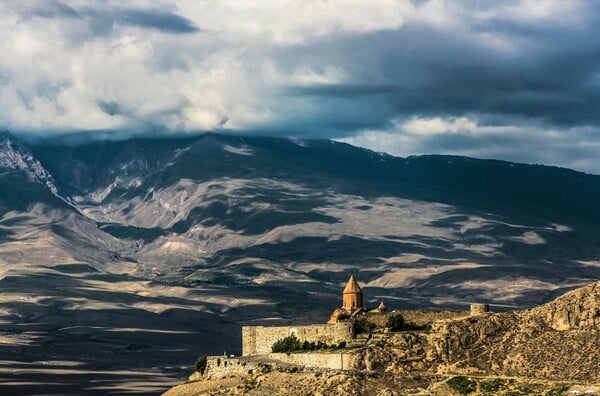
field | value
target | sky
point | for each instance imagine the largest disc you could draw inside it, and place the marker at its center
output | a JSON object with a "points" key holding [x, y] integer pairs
{"points": [[517, 80]]}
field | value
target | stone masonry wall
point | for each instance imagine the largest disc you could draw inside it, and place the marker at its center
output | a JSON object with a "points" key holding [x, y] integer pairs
{"points": [[258, 340], [334, 361], [218, 367], [419, 317]]}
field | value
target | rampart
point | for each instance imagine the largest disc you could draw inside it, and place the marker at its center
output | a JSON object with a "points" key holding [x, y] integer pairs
{"points": [[218, 367], [334, 361], [258, 340], [419, 317]]}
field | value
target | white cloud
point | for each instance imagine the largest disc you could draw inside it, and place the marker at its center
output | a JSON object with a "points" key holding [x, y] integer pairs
{"points": [[291, 22], [574, 148], [57, 70], [438, 125], [62, 61]]}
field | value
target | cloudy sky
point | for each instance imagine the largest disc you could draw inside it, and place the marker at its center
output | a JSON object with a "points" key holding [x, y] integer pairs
{"points": [[514, 80]]}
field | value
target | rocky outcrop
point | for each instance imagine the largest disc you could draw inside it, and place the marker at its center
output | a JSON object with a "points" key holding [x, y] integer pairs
{"points": [[14, 155], [558, 340], [577, 309]]}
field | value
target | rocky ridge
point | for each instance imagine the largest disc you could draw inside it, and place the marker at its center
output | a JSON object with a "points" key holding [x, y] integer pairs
{"points": [[15, 155], [557, 340]]}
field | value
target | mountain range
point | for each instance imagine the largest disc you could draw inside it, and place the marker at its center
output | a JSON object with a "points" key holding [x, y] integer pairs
{"points": [[150, 252]]}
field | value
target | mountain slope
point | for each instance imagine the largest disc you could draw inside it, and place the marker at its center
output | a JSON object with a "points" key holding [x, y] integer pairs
{"points": [[200, 234], [253, 210]]}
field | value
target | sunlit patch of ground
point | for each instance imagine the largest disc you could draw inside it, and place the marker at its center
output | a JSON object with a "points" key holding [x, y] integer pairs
{"points": [[403, 277], [508, 289], [529, 238], [589, 263]]}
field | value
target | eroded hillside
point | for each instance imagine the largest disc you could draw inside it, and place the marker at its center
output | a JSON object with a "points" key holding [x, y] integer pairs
{"points": [[200, 234]]}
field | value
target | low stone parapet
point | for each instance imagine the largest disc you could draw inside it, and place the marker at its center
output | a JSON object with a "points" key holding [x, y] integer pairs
{"points": [[218, 367]]}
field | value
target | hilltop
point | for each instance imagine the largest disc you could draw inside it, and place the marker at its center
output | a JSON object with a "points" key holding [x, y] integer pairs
{"points": [[545, 350]]}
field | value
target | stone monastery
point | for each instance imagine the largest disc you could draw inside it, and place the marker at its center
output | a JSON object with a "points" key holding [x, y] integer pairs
{"points": [[257, 340], [341, 335]]}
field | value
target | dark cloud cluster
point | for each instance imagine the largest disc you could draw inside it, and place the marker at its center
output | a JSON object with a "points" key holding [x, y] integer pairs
{"points": [[104, 16], [554, 77], [516, 80]]}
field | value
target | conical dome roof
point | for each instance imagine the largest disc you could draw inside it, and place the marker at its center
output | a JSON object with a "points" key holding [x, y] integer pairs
{"points": [[352, 286], [381, 306]]}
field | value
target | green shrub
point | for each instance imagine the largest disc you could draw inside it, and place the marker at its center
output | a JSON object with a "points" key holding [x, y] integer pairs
{"points": [[491, 387], [396, 323], [291, 344], [200, 364], [287, 344], [462, 384], [362, 325]]}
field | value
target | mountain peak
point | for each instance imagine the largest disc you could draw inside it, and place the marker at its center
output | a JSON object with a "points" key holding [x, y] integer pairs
{"points": [[15, 155]]}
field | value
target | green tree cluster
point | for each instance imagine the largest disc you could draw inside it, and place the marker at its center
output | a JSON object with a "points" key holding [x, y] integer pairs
{"points": [[362, 325], [462, 384], [396, 322], [287, 344], [291, 343]]}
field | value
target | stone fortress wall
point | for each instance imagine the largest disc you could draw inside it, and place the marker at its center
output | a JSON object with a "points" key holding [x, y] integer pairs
{"points": [[331, 360], [418, 317], [258, 340], [218, 367]]}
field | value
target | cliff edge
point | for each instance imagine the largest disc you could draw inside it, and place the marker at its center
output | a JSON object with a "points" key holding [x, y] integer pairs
{"points": [[559, 340]]}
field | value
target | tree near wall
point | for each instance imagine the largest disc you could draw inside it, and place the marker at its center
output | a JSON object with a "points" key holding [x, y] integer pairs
{"points": [[362, 325], [396, 322], [287, 344]]}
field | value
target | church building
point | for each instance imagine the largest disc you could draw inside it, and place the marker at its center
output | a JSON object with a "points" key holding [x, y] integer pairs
{"points": [[352, 303]]}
